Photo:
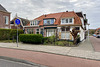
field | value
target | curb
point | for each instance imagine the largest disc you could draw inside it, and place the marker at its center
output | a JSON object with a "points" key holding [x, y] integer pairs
{"points": [[21, 61], [52, 53]]}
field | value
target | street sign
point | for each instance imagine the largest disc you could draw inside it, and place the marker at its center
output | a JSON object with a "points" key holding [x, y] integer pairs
{"points": [[17, 21]]}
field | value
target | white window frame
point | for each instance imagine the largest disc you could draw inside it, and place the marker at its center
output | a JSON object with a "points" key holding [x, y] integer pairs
{"points": [[64, 21], [6, 20], [34, 23], [31, 24]]}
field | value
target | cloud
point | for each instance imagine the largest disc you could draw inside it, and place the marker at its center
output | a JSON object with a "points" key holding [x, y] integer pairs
{"points": [[35, 8]]}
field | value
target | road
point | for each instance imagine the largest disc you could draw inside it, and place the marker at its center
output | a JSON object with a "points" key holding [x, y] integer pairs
{"points": [[7, 63], [96, 43], [50, 60]]}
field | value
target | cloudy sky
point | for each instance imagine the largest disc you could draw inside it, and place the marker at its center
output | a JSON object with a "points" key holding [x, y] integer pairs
{"points": [[34, 8]]}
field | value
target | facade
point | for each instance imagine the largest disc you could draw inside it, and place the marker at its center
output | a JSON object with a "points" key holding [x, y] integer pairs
{"points": [[4, 18], [23, 23], [58, 24], [97, 32]]}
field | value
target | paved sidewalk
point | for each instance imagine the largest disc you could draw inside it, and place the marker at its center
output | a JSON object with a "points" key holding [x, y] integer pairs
{"points": [[96, 43], [85, 50]]}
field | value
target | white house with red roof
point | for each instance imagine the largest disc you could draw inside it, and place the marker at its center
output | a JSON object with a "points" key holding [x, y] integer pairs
{"points": [[58, 24]]}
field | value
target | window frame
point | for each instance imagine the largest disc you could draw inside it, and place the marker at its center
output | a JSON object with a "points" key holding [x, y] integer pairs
{"points": [[63, 21], [37, 32], [6, 20]]}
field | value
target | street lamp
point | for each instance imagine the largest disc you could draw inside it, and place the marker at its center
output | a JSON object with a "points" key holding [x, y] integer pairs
{"points": [[88, 29]]}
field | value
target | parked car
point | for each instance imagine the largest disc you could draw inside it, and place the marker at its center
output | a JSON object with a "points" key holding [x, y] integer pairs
{"points": [[97, 36], [94, 35]]}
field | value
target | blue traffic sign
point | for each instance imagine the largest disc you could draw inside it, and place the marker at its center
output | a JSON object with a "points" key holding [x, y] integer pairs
{"points": [[17, 21]]}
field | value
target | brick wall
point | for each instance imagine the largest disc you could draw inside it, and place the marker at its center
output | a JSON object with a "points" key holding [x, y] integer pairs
{"points": [[2, 19]]}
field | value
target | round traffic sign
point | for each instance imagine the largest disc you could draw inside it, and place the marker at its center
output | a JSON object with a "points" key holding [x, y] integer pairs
{"points": [[17, 21]]}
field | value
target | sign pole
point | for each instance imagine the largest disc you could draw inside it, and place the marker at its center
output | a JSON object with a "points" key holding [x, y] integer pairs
{"points": [[17, 35], [17, 21]]}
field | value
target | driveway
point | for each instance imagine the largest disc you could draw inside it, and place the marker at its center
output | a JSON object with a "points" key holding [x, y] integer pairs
{"points": [[96, 43]]}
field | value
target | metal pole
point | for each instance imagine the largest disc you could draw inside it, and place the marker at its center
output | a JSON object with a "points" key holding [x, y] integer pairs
{"points": [[88, 31], [17, 35]]}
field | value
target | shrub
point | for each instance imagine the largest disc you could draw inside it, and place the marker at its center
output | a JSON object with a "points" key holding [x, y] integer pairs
{"points": [[64, 43], [49, 40], [31, 38], [6, 34]]}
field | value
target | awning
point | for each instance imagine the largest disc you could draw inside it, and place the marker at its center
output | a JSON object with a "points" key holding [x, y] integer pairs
{"points": [[50, 27]]}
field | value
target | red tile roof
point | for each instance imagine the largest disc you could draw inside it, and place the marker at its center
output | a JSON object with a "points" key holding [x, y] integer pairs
{"points": [[58, 17]]}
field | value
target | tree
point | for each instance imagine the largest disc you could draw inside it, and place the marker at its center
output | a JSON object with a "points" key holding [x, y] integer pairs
{"points": [[74, 33]]}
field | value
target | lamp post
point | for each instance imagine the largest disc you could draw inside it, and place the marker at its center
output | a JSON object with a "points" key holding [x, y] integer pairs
{"points": [[88, 30]]}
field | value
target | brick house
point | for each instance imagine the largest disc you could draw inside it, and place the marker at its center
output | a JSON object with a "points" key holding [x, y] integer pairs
{"points": [[97, 32], [4, 18], [58, 24]]}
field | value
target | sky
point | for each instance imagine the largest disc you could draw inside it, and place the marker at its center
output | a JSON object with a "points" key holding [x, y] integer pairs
{"points": [[34, 8]]}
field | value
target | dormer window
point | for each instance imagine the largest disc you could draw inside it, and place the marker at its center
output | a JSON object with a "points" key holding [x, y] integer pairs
{"points": [[48, 21], [67, 21], [70, 20], [34, 22]]}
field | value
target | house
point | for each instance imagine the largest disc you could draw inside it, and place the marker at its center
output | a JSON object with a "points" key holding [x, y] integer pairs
{"points": [[23, 23], [97, 32], [4, 18], [58, 24]]}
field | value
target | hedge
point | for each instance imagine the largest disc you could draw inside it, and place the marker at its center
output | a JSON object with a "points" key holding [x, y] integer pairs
{"points": [[31, 38], [7, 34], [49, 40]]}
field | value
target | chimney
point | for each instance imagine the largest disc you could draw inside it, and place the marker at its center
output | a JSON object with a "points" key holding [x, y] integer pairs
{"points": [[45, 15], [66, 11]]}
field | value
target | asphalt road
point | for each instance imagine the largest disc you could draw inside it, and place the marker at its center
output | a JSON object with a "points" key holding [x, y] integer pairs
{"points": [[7, 63], [50, 60], [96, 43]]}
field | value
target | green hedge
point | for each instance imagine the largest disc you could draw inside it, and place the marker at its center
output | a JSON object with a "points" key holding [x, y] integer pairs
{"points": [[7, 34], [31, 38], [49, 40]]}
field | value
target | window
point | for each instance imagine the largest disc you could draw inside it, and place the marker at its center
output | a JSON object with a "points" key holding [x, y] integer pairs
{"points": [[6, 19], [70, 20], [37, 31], [77, 28], [30, 31], [35, 22], [27, 30], [24, 23], [48, 21], [31, 23], [42, 31], [66, 20], [67, 28], [63, 28], [63, 20]]}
